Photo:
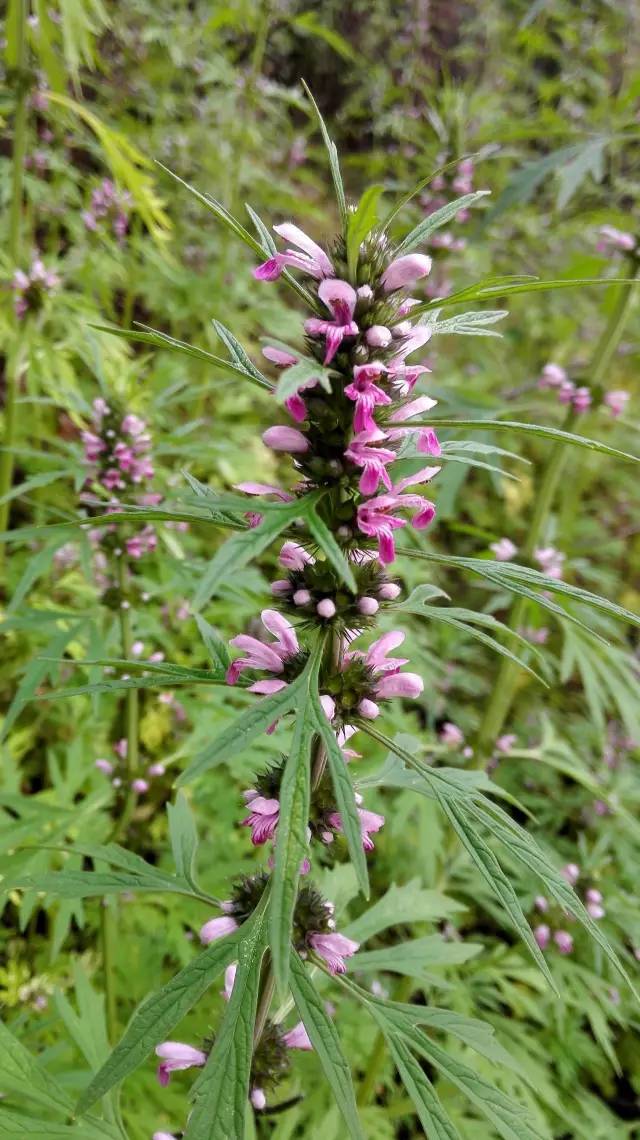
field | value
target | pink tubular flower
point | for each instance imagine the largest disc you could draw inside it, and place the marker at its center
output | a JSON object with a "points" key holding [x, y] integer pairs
{"points": [[334, 948], [258, 655], [366, 394], [295, 557], [542, 934], [377, 519], [614, 240], [428, 442], [504, 549], [506, 742], [405, 271], [297, 1038], [552, 376], [174, 1056], [563, 941], [217, 928], [370, 822], [310, 259], [340, 299], [372, 459], [378, 336], [617, 401], [262, 819], [451, 734], [284, 438]]}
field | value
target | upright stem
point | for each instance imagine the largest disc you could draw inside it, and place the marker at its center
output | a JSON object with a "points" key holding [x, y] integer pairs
{"points": [[506, 682], [15, 233], [108, 935]]}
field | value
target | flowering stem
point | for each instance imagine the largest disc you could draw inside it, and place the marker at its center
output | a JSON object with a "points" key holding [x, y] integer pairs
{"points": [[506, 683], [15, 231]]}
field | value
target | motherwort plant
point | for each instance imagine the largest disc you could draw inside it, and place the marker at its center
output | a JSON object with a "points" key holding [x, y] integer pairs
{"points": [[354, 418]]}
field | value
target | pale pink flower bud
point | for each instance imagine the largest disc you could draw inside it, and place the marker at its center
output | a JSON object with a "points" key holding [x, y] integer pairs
{"points": [[405, 271], [581, 399], [104, 766], [506, 742], [283, 438], [389, 591], [120, 747], [571, 872], [378, 336], [552, 376], [364, 293], [408, 685], [451, 734], [163, 1136], [326, 608], [593, 895], [541, 903], [301, 597], [504, 549], [217, 928], [137, 649], [174, 1056], [595, 910], [368, 709], [542, 935], [368, 606], [140, 786], [563, 941], [328, 706], [280, 586], [258, 1099], [156, 770], [617, 400], [295, 557]]}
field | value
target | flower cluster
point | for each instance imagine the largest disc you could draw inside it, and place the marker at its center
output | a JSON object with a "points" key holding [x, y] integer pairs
{"points": [[109, 209], [580, 396], [31, 288], [543, 932]]}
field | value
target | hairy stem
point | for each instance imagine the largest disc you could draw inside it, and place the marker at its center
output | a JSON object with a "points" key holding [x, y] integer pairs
{"points": [[506, 682], [15, 233]]}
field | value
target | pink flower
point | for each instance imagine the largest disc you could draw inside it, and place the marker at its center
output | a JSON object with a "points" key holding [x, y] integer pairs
{"points": [[295, 557], [428, 442], [613, 240], [581, 399], [262, 819], [326, 608], [378, 336], [617, 400], [451, 734], [372, 459], [217, 928], [174, 1056], [104, 766], [133, 425], [377, 517], [389, 591], [283, 438], [542, 934], [366, 394], [121, 747], [549, 560], [541, 903], [563, 941], [334, 948], [504, 549], [595, 910], [571, 872], [311, 259], [93, 446], [552, 376], [506, 742], [258, 655], [297, 1038], [258, 1099], [405, 271], [370, 822], [340, 299], [140, 786]]}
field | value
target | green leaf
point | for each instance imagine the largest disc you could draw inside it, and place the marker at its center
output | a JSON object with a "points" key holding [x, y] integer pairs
{"points": [[406, 198], [163, 340], [324, 1038], [158, 1015], [238, 736], [184, 837], [86, 884], [239, 356], [530, 429], [471, 324], [428, 225], [41, 480], [237, 551], [14, 1125], [408, 903], [344, 793], [483, 291], [292, 843], [588, 160], [432, 1116], [359, 226], [333, 157], [298, 375], [412, 958], [221, 1092], [330, 548], [441, 614], [21, 1075], [216, 647], [35, 673]]}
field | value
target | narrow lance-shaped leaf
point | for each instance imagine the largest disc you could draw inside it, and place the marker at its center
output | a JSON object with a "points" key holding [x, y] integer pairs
{"points": [[344, 793], [543, 432], [330, 548], [432, 1116], [333, 157], [158, 1015], [183, 834], [324, 1038], [427, 226]]}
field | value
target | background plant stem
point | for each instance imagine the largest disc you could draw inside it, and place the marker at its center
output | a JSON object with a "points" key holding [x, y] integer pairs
{"points": [[108, 935], [506, 682], [15, 233]]}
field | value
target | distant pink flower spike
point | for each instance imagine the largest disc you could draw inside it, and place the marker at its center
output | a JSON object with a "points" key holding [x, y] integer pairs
{"points": [[340, 298]]}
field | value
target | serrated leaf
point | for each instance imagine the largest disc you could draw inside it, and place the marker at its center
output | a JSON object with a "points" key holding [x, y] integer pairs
{"points": [[158, 1014], [324, 1038], [413, 957], [183, 834], [430, 1112], [221, 1092], [216, 647], [408, 903], [430, 224], [238, 354], [21, 1074]]}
